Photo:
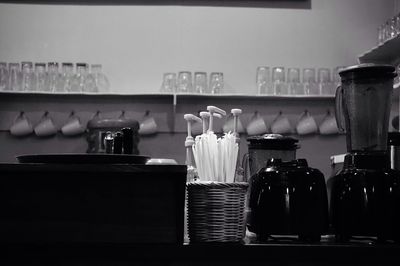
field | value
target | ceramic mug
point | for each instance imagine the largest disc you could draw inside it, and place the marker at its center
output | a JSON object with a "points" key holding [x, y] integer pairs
{"points": [[148, 126], [281, 125], [306, 124], [256, 125], [45, 127], [73, 126], [228, 126], [21, 126], [328, 125]]}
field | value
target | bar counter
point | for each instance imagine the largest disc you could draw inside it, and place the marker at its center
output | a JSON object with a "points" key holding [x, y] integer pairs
{"points": [[205, 254]]}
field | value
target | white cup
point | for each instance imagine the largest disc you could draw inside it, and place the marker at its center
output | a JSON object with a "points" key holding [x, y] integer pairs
{"points": [[21, 126], [73, 126], [229, 125], [148, 125], [328, 125], [306, 124], [281, 125], [45, 127], [256, 125]]}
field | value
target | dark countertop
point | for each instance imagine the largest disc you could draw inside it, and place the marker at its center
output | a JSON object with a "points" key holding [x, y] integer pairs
{"points": [[206, 254]]}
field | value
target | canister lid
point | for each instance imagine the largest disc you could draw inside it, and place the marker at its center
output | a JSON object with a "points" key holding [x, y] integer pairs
{"points": [[367, 70], [117, 124], [272, 142]]}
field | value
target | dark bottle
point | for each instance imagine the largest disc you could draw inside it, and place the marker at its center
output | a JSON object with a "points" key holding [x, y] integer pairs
{"points": [[118, 143]]}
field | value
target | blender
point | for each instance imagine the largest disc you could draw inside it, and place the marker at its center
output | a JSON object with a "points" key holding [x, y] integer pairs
{"points": [[365, 198]]}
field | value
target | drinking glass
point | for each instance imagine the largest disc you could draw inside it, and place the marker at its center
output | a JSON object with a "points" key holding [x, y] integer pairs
{"points": [[184, 82], [27, 77], [325, 82], [52, 76], [200, 82], [96, 81], [310, 86], [64, 82], [216, 82], [79, 79], [14, 77], [294, 85], [278, 80], [3, 76], [40, 77], [169, 83], [263, 80]]}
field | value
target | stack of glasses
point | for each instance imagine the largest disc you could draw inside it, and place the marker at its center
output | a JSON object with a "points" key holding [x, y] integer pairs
{"points": [[29, 77], [184, 83], [389, 29], [313, 82]]}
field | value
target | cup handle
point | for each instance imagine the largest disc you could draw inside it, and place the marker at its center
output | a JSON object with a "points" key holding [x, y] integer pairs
{"points": [[339, 108], [21, 115]]}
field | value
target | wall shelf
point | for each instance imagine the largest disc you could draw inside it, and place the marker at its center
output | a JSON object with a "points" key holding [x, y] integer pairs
{"points": [[385, 53]]}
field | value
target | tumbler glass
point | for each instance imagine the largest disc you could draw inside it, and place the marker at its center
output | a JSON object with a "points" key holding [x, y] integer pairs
{"points": [[40, 77], [200, 82], [184, 82], [52, 76], [216, 82], [96, 81], [263, 80], [27, 82], [325, 84], [14, 77], [64, 82], [310, 86], [3, 76], [79, 79], [278, 81], [294, 85], [169, 83]]}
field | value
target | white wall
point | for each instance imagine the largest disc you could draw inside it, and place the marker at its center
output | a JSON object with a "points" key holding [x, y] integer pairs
{"points": [[136, 44]]}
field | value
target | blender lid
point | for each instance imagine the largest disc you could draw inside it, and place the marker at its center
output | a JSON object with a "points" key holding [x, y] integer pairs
{"points": [[273, 142], [367, 70]]}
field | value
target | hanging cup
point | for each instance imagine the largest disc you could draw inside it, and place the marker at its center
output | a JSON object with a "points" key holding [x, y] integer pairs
{"points": [[21, 126], [73, 126], [256, 125], [281, 125], [306, 124], [148, 126], [46, 126]]}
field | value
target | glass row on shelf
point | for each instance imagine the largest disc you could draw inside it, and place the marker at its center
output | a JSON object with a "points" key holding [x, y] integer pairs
{"points": [[389, 29], [29, 77], [312, 82]]}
